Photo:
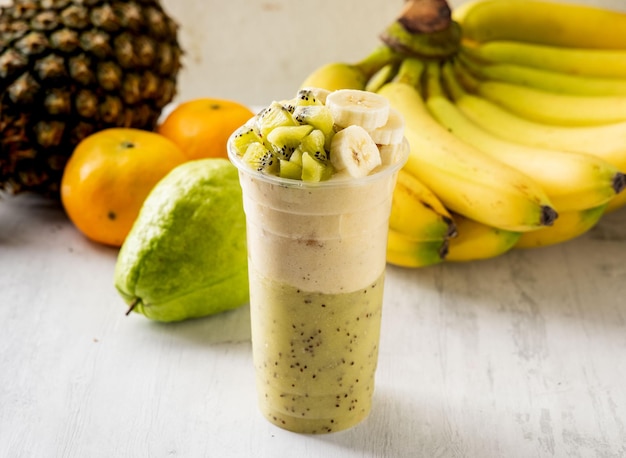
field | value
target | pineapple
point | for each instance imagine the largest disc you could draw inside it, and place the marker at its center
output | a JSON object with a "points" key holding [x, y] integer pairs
{"points": [[69, 68]]}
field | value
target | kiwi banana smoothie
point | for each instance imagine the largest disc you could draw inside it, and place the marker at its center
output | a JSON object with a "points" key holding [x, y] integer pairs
{"points": [[316, 259]]}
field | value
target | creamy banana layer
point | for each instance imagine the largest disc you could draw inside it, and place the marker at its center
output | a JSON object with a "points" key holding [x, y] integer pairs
{"points": [[318, 238]]}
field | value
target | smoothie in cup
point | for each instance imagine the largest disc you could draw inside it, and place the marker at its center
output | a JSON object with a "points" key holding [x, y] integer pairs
{"points": [[317, 256]]}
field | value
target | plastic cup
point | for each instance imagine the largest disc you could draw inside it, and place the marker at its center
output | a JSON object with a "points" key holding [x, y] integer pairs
{"points": [[317, 257]]}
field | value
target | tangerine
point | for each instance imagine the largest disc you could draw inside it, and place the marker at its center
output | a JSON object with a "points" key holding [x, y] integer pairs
{"points": [[201, 127], [108, 177]]}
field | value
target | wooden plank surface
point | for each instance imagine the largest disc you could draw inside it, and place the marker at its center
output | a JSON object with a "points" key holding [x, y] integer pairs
{"points": [[520, 356]]}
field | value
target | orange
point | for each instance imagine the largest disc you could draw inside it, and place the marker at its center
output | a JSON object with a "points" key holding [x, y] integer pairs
{"points": [[201, 127], [109, 175]]}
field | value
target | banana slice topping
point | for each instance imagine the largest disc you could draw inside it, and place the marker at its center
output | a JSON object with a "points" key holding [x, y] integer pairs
{"points": [[392, 132], [353, 151], [319, 133], [361, 108]]}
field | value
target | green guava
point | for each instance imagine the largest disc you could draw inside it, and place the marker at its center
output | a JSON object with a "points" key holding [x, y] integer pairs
{"points": [[185, 256]]}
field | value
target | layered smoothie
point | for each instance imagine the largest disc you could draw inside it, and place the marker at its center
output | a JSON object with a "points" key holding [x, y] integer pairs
{"points": [[315, 354], [317, 256]]}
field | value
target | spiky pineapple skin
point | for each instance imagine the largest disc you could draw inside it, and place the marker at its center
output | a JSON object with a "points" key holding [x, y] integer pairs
{"points": [[69, 68]]}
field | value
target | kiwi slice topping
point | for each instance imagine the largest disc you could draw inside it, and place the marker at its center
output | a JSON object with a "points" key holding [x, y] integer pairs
{"points": [[285, 139], [290, 138], [261, 159]]}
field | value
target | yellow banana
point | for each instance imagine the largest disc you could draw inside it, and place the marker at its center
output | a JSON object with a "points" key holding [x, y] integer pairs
{"points": [[405, 252], [578, 61], [548, 107], [569, 226], [607, 142], [616, 203], [343, 75], [502, 123], [479, 241], [572, 181], [558, 24], [557, 82], [417, 213], [466, 180]]}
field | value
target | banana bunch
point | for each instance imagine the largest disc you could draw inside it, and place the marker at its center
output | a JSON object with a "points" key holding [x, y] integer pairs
{"points": [[515, 113]]}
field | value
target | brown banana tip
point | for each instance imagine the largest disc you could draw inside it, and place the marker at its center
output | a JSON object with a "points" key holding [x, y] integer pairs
{"points": [[548, 215], [452, 230], [619, 182], [443, 251]]}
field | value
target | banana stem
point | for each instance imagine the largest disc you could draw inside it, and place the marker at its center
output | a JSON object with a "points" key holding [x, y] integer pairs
{"points": [[472, 49], [425, 16], [458, 82], [469, 65], [410, 72], [465, 77], [455, 90], [425, 29], [433, 80], [380, 57], [381, 77]]}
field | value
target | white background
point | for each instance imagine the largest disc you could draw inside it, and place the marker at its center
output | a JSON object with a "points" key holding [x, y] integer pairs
{"points": [[255, 51]]}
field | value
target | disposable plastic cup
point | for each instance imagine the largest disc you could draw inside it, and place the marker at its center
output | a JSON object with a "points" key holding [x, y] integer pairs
{"points": [[317, 257]]}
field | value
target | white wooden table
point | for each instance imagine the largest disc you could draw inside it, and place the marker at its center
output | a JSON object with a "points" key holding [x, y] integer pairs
{"points": [[519, 356]]}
